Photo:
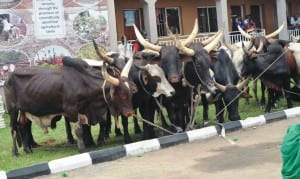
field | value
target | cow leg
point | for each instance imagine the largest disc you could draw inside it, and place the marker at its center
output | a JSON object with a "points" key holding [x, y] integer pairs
{"points": [[102, 132], [127, 138], [87, 136], [69, 132], [287, 95], [79, 134], [32, 143], [15, 132], [263, 97], [25, 130], [148, 114], [137, 129], [205, 108], [117, 126], [271, 100], [219, 107], [108, 124], [255, 91]]}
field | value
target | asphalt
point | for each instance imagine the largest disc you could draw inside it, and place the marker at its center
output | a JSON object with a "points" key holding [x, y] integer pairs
{"points": [[139, 148]]}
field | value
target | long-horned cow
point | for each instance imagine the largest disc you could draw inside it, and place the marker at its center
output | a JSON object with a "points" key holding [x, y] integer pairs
{"points": [[75, 90]]}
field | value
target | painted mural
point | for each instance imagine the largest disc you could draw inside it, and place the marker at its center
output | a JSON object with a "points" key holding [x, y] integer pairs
{"points": [[34, 32]]}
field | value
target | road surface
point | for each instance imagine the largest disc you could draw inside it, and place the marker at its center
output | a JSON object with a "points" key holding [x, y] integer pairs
{"points": [[256, 154]]}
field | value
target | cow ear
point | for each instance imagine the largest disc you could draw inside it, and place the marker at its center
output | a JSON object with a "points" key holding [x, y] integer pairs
{"points": [[145, 77], [112, 93]]}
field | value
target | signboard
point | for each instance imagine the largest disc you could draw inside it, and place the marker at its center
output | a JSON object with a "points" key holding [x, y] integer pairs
{"points": [[35, 32]]}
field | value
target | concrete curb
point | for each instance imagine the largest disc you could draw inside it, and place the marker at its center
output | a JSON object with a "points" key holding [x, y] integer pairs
{"points": [[138, 148]]}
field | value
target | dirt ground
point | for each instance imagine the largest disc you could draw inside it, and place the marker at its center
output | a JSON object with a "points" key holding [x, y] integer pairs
{"points": [[256, 154]]}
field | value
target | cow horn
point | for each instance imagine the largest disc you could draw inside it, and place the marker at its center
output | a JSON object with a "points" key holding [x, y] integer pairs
{"points": [[273, 34], [104, 57], [210, 39], [144, 42], [214, 43], [221, 87], [246, 51], [261, 46], [126, 69], [193, 35], [242, 84], [245, 34], [184, 49], [110, 79], [229, 46]]}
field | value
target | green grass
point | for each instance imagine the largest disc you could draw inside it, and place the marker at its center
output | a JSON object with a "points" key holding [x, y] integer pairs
{"points": [[54, 143]]}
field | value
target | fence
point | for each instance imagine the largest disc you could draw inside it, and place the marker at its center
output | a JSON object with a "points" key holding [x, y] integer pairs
{"points": [[234, 36], [294, 34]]}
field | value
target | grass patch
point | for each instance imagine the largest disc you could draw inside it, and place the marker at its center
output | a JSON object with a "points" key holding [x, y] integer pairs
{"points": [[54, 143]]}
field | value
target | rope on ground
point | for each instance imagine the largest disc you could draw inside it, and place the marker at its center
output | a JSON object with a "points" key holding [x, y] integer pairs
{"points": [[152, 124]]}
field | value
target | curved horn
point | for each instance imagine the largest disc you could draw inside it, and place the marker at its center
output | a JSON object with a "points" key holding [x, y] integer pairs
{"points": [[261, 46], [245, 34], [144, 42], [214, 43], [184, 49], [112, 80], [104, 57], [193, 35], [230, 47], [273, 34], [221, 87], [242, 84], [210, 39], [126, 69]]}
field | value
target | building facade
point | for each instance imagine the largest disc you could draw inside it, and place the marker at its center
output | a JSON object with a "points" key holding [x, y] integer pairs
{"points": [[150, 16]]}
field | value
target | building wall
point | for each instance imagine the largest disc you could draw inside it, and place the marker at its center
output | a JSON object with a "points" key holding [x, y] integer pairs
{"points": [[189, 11]]}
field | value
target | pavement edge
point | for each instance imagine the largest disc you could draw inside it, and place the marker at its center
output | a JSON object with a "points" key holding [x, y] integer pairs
{"points": [[138, 148]]}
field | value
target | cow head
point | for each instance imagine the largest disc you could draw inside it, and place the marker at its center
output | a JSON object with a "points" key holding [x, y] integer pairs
{"points": [[255, 64], [198, 62], [113, 59], [120, 92], [258, 39], [227, 78], [154, 77]]}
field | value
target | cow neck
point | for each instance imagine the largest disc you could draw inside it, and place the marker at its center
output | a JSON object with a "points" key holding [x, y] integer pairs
{"points": [[142, 84]]}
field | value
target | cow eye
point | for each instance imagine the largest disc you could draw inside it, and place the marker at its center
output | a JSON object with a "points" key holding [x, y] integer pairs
{"points": [[157, 78]]}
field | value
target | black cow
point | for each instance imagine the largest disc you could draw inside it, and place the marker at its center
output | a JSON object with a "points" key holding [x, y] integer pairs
{"points": [[227, 77], [273, 69], [197, 63], [261, 43], [74, 90]]}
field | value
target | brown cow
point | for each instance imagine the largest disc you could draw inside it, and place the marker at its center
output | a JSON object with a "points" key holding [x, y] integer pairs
{"points": [[75, 90]]}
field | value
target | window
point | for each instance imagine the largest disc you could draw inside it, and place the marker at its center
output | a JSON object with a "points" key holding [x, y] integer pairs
{"points": [[132, 16], [207, 17], [236, 13], [170, 15]]}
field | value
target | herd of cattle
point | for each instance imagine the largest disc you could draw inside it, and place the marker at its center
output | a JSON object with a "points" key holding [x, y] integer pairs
{"points": [[87, 92]]}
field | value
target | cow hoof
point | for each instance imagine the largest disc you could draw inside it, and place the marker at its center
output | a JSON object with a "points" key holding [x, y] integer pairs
{"points": [[35, 145], [15, 154], [118, 132], [28, 150], [137, 131], [82, 150], [127, 140]]}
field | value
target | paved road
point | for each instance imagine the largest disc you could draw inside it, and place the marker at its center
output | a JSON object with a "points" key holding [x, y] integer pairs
{"points": [[256, 154]]}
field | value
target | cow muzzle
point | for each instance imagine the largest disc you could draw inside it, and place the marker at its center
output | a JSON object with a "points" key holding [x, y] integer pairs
{"points": [[128, 114]]}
